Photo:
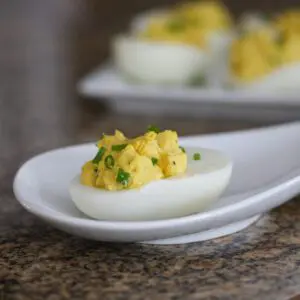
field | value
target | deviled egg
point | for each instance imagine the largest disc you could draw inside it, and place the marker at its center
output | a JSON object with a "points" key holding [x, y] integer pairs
{"points": [[266, 56], [175, 46], [149, 178], [262, 61]]}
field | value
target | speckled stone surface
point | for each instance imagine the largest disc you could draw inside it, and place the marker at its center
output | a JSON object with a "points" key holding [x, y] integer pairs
{"points": [[261, 262], [39, 262]]}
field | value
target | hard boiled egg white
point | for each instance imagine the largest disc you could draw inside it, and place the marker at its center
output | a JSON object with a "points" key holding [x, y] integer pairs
{"points": [[170, 63], [253, 21], [157, 62], [200, 186], [284, 79], [217, 58]]}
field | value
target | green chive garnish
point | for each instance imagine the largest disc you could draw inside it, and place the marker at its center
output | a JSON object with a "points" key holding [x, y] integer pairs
{"points": [[118, 147], [182, 149], [196, 156], [122, 177], [153, 128], [154, 161], [109, 161], [99, 155], [280, 40], [175, 25]]}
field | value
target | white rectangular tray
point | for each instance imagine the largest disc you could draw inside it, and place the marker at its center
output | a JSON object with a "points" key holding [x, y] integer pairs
{"points": [[122, 96]]}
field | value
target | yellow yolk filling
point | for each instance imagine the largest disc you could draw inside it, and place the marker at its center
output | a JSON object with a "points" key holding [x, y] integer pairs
{"points": [[256, 54], [189, 23], [123, 163]]}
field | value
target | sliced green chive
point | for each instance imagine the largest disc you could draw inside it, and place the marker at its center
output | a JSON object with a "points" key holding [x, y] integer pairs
{"points": [[109, 161], [265, 16], [153, 128], [122, 177], [280, 40], [175, 25], [182, 149], [99, 155], [154, 161], [196, 156], [198, 80], [118, 147]]}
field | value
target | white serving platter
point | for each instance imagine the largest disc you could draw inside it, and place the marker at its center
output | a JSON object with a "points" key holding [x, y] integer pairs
{"points": [[105, 84]]}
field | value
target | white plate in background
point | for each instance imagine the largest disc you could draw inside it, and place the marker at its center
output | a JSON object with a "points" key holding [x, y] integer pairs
{"points": [[106, 84], [266, 174]]}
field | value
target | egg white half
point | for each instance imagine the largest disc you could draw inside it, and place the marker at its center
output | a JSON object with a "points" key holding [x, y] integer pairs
{"points": [[253, 21], [200, 186], [157, 62], [284, 79], [218, 58]]}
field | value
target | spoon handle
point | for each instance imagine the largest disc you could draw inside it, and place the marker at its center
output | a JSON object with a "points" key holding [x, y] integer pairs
{"points": [[288, 185]]}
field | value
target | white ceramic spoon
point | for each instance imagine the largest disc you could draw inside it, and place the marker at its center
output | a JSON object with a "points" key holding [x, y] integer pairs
{"points": [[266, 174]]}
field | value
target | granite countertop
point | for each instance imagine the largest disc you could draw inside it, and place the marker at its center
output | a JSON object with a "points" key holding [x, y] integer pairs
{"points": [[40, 262], [42, 57]]}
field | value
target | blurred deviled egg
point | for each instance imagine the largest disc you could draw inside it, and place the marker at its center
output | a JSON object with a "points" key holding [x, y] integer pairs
{"points": [[174, 46], [288, 22], [265, 60], [149, 177]]}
